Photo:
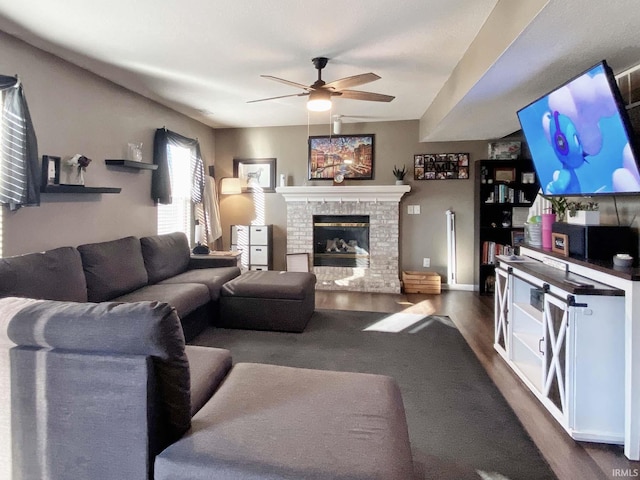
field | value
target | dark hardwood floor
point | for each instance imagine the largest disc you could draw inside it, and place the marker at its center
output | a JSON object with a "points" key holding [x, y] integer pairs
{"points": [[473, 315]]}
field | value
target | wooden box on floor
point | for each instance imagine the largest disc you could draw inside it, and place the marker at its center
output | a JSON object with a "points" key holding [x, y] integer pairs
{"points": [[421, 282]]}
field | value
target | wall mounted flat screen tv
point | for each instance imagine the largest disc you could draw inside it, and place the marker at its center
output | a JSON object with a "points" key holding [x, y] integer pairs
{"points": [[580, 138]]}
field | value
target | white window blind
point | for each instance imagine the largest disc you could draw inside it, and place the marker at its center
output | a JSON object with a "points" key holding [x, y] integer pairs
{"points": [[177, 216]]}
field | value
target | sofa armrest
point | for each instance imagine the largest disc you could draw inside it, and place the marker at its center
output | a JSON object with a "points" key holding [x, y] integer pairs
{"points": [[212, 261]]}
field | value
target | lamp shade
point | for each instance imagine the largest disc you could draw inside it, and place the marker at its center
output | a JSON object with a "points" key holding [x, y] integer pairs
{"points": [[230, 186], [319, 101]]}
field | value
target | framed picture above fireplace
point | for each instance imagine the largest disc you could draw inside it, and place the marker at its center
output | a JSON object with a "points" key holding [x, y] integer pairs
{"points": [[348, 155]]}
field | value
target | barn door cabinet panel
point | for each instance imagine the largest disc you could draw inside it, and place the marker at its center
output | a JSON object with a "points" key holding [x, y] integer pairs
{"points": [[564, 338]]}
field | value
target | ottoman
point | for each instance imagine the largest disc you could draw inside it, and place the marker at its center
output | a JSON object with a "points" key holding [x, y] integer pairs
{"points": [[268, 300], [268, 422]]}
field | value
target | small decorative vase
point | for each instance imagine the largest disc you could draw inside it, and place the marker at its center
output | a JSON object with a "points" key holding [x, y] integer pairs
{"points": [[399, 182]]}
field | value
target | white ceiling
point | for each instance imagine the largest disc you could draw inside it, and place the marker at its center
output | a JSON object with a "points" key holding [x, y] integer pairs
{"points": [[463, 67]]}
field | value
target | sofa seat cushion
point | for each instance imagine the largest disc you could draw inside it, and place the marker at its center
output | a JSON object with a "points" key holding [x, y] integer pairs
{"points": [[113, 268], [184, 297], [165, 255], [270, 284], [213, 278], [273, 422], [207, 367], [52, 275]]}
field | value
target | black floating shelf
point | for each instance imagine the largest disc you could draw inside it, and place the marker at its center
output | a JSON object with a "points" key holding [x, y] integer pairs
{"points": [[131, 164], [78, 189]]}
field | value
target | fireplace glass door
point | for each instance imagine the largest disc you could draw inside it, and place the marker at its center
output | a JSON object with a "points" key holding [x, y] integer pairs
{"points": [[341, 240]]}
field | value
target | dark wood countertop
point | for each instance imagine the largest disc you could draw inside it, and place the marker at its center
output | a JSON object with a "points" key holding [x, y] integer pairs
{"points": [[604, 266], [567, 281]]}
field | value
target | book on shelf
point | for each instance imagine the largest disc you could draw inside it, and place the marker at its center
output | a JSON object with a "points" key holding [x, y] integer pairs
{"points": [[490, 250]]}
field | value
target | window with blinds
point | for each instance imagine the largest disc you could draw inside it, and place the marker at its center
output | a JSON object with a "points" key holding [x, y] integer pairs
{"points": [[178, 215]]}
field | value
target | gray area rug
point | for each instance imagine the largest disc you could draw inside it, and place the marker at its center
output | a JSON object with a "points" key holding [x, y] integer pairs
{"points": [[459, 425]]}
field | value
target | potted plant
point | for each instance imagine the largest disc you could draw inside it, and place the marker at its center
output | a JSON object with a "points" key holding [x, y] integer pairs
{"points": [[558, 206], [583, 213], [399, 173]]}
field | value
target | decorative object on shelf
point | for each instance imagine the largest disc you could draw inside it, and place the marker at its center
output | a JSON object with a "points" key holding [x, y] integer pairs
{"points": [[528, 177], [517, 237], [484, 172], [134, 151], [504, 174], [560, 243], [504, 150], [441, 166], [50, 170], [255, 174], [73, 169], [338, 179], [351, 155], [506, 219], [583, 213], [623, 260], [399, 173]]}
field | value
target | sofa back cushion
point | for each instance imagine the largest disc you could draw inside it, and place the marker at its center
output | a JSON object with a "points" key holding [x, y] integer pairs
{"points": [[112, 268], [52, 275], [150, 329], [165, 255]]}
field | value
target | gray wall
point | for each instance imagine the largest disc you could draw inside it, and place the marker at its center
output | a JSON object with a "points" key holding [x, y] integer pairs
{"points": [[75, 111], [422, 235]]}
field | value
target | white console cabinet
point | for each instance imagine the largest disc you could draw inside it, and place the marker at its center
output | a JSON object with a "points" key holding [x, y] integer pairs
{"points": [[255, 242], [563, 335]]}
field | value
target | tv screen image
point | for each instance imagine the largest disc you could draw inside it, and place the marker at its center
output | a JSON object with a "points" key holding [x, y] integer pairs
{"points": [[580, 139]]}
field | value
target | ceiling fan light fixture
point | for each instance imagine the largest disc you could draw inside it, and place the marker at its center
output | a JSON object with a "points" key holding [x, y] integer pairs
{"points": [[319, 101], [337, 124]]}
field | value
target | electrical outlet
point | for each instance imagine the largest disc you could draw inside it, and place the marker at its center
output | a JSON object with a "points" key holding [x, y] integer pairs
{"points": [[426, 262], [416, 209]]}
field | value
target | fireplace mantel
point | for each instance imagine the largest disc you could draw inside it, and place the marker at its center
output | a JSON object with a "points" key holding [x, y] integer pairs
{"points": [[344, 193]]}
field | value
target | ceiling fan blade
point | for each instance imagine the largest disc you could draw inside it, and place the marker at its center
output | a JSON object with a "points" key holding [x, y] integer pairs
{"points": [[288, 82], [281, 96], [369, 96], [354, 81]]}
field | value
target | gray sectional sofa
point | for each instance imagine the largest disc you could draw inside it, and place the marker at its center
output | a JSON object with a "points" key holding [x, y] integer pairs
{"points": [[100, 383], [129, 269]]}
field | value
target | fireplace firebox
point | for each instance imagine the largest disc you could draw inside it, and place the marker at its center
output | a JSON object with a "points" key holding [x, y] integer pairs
{"points": [[341, 240]]}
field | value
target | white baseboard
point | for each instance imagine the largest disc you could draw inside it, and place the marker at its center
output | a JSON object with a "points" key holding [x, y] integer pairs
{"points": [[459, 286]]}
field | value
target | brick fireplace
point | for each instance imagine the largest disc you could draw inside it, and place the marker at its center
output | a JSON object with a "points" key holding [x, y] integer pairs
{"points": [[380, 203]]}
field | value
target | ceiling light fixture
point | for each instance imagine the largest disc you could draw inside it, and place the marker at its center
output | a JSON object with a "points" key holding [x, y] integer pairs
{"points": [[319, 101], [337, 124]]}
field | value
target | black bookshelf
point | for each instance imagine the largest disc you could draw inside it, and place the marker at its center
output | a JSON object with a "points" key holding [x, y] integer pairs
{"points": [[503, 187]]}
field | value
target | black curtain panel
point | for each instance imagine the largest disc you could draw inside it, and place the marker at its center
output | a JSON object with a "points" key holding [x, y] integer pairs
{"points": [[161, 179], [20, 179]]}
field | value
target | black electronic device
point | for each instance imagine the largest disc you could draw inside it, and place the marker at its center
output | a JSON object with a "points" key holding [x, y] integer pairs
{"points": [[200, 249], [597, 242]]}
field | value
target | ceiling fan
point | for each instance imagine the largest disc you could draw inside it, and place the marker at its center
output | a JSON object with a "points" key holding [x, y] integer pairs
{"points": [[320, 93]]}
